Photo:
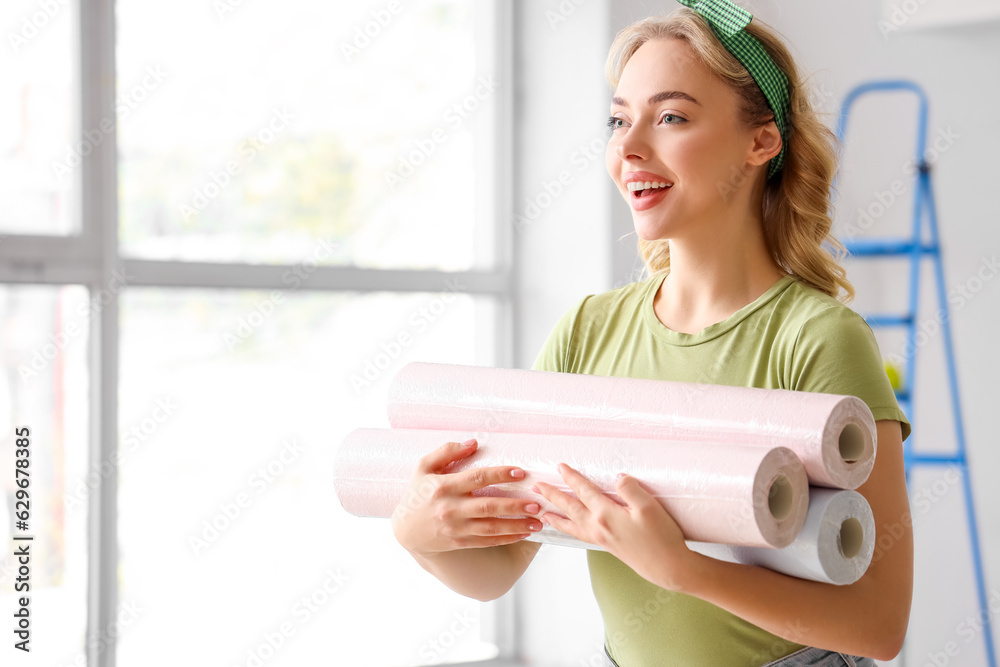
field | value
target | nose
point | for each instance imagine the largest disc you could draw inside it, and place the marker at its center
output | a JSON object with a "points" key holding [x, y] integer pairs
{"points": [[633, 144]]}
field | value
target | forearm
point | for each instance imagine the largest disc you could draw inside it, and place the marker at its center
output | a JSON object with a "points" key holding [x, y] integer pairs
{"points": [[481, 573], [867, 618]]}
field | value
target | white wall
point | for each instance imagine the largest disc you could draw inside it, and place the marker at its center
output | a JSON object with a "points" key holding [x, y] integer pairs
{"points": [[562, 254], [571, 250]]}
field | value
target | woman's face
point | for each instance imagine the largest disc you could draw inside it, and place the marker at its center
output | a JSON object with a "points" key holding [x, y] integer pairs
{"points": [[673, 122]]}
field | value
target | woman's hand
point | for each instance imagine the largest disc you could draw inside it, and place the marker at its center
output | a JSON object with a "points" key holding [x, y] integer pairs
{"points": [[640, 533], [439, 513]]}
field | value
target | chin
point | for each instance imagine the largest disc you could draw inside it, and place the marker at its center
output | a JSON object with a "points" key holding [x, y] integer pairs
{"points": [[646, 233]]}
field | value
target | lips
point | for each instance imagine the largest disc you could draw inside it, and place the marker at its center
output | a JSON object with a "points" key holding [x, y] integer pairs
{"points": [[646, 189]]}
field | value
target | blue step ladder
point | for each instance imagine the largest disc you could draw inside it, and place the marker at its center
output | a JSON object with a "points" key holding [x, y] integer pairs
{"points": [[919, 248]]}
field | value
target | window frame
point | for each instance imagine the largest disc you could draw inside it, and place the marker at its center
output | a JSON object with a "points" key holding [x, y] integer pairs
{"points": [[92, 258]]}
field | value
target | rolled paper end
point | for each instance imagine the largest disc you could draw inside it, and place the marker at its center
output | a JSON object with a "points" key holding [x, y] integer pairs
{"points": [[851, 428], [835, 546], [781, 497]]}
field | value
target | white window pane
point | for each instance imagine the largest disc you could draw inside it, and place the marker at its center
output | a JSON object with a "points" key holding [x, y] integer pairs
{"points": [[232, 405], [273, 122], [39, 151], [45, 388]]}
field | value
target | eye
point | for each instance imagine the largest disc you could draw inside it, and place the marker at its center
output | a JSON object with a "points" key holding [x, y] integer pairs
{"points": [[665, 116], [615, 123]]}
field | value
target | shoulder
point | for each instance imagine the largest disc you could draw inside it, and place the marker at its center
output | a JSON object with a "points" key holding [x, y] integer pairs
{"points": [[835, 351], [624, 298], [811, 311], [817, 324], [590, 313]]}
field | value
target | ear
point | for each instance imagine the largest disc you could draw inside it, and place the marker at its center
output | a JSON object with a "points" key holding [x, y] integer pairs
{"points": [[766, 144]]}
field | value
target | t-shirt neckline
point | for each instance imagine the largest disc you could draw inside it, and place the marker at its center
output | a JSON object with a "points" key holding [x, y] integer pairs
{"points": [[672, 337]]}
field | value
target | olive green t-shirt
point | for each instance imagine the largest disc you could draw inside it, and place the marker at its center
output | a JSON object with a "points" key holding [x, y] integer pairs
{"points": [[791, 337]]}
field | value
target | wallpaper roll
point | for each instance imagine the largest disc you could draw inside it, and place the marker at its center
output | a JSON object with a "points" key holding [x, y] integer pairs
{"points": [[833, 435], [835, 546], [717, 492]]}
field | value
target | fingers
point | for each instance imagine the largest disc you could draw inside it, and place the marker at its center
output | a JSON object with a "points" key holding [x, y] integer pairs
{"points": [[569, 504], [631, 491], [560, 523], [478, 542], [468, 481], [445, 455], [588, 492], [500, 527], [486, 507]]}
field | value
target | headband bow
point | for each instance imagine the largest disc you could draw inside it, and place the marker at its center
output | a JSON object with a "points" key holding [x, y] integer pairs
{"points": [[727, 21]]}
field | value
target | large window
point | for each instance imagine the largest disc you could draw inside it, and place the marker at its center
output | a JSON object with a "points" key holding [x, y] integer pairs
{"points": [[207, 269]]}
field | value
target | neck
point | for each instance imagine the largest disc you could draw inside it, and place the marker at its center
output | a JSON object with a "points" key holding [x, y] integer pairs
{"points": [[715, 273]]}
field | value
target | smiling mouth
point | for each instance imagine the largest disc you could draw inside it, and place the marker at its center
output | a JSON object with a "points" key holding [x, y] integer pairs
{"points": [[640, 189]]}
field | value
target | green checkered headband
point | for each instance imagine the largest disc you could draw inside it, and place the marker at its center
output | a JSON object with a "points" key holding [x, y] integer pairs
{"points": [[727, 21]]}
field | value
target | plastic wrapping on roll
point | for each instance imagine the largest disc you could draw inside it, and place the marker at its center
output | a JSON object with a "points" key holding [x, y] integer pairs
{"points": [[833, 435], [835, 546], [716, 492]]}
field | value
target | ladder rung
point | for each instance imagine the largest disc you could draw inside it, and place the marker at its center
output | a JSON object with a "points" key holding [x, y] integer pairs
{"points": [[877, 247], [903, 396], [936, 459], [888, 320]]}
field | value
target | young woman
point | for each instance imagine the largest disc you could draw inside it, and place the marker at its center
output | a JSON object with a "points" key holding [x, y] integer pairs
{"points": [[728, 174]]}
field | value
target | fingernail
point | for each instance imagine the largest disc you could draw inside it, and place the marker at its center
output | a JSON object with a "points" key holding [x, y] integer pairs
{"points": [[517, 473], [534, 526], [532, 508], [469, 442], [621, 476], [535, 488]]}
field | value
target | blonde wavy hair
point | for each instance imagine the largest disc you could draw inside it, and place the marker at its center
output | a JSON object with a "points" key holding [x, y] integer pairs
{"points": [[796, 204]]}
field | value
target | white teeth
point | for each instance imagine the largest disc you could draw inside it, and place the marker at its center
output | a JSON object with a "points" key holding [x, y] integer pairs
{"points": [[638, 185]]}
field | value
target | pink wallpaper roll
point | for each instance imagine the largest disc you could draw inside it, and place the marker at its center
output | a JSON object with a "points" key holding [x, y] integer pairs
{"points": [[833, 435], [717, 492]]}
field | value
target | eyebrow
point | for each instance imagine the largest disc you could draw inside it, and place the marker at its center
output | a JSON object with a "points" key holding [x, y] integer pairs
{"points": [[660, 97]]}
